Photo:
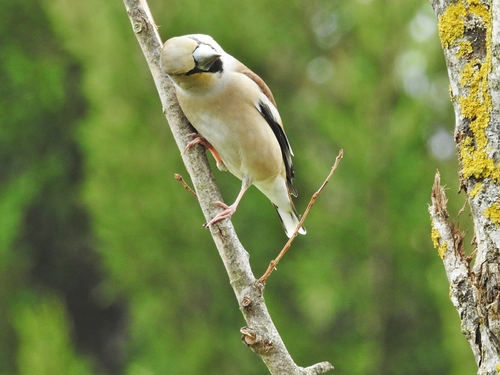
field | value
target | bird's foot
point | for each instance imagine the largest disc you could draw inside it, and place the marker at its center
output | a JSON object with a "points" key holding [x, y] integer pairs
{"points": [[199, 140], [225, 214]]}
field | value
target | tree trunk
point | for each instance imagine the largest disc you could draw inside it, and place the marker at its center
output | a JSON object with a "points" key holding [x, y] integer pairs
{"points": [[469, 33]]}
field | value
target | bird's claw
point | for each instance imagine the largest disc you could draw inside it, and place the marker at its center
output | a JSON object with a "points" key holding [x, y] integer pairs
{"points": [[227, 212], [198, 139]]}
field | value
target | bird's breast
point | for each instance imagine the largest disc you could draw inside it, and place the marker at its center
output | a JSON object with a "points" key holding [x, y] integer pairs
{"points": [[240, 134]]}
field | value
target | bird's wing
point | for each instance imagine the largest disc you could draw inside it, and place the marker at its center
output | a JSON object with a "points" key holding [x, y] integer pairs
{"points": [[260, 82], [267, 108]]}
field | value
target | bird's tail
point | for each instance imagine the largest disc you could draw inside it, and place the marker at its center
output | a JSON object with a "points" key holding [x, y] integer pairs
{"points": [[290, 219]]}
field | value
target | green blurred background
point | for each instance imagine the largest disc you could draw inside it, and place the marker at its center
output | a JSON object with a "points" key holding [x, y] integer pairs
{"points": [[105, 267]]}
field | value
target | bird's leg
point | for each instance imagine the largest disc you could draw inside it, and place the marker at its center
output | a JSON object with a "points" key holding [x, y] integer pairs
{"points": [[203, 141], [230, 210]]}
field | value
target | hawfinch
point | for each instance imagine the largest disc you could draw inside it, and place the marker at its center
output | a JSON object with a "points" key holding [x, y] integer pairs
{"points": [[236, 118]]}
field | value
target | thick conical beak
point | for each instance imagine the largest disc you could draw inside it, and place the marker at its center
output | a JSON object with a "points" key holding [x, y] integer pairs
{"points": [[205, 56]]}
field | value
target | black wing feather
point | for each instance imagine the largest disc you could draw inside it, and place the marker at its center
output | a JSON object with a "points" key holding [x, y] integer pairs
{"points": [[286, 152]]}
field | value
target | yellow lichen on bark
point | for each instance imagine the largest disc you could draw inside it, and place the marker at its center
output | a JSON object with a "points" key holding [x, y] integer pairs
{"points": [[476, 105], [493, 213], [435, 237], [451, 25], [476, 189], [462, 28], [465, 48], [475, 163]]}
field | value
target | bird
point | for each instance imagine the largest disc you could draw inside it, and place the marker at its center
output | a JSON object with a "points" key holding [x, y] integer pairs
{"points": [[236, 119]]}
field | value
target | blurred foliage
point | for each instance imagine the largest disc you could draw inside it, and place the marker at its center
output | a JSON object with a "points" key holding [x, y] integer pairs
{"points": [[104, 265], [36, 353]]}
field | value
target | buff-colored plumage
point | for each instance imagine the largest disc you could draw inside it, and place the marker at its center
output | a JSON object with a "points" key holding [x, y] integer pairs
{"points": [[235, 114]]}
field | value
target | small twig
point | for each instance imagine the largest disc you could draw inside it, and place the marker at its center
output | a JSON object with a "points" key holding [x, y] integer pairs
{"points": [[179, 178], [274, 263], [461, 211]]}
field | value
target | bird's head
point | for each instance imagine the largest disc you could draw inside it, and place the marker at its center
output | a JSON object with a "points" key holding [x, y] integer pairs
{"points": [[190, 55]]}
